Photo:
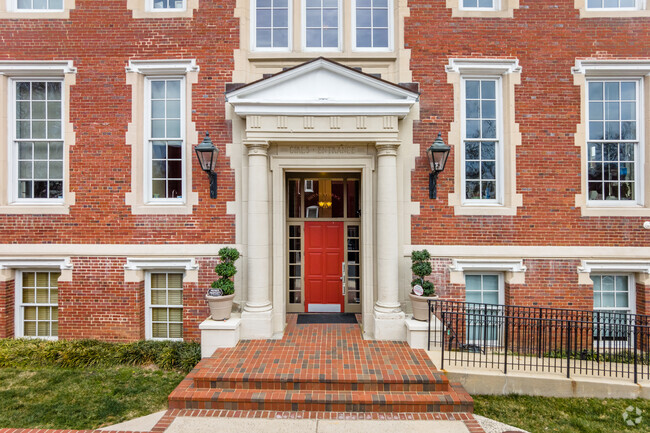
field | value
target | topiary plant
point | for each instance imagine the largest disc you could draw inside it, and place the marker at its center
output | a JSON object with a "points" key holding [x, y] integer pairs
{"points": [[421, 266], [226, 270]]}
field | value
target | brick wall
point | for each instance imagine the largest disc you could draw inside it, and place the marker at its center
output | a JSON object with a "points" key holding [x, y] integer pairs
{"points": [[546, 37], [7, 309]]}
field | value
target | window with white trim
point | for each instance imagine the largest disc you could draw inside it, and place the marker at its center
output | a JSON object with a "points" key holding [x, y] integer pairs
{"points": [[37, 304], [38, 146], [613, 140], [166, 139], [39, 5], [322, 24], [482, 323], [481, 151], [613, 293], [164, 304], [488, 5], [161, 5], [613, 4], [371, 24], [271, 24]]}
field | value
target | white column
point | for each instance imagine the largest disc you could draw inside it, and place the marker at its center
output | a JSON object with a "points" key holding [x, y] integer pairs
{"points": [[389, 317], [256, 317]]}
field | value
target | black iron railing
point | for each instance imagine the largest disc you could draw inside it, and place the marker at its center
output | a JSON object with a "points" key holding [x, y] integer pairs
{"points": [[533, 339]]}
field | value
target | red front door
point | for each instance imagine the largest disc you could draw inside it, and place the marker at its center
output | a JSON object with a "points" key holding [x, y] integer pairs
{"points": [[323, 260]]}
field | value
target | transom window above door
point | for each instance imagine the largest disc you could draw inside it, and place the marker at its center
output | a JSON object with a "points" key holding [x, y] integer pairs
{"points": [[321, 25], [323, 198]]}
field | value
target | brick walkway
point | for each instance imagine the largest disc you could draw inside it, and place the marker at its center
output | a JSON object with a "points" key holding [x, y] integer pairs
{"points": [[323, 372]]}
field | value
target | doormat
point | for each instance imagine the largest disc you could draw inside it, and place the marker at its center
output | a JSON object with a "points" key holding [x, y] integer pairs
{"points": [[313, 318]]}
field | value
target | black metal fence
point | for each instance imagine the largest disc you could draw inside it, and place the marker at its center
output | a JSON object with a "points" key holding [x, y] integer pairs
{"points": [[533, 339]]}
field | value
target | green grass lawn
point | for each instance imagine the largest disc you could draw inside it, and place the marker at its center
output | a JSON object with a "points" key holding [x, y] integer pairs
{"points": [[76, 398], [566, 415]]}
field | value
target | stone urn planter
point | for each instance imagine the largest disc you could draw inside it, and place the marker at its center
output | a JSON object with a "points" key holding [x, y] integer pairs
{"points": [[421, 306], [220, 306], [222, 293], [423, 290]]}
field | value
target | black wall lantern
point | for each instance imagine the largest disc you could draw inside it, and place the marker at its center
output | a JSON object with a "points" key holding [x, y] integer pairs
{"points": [[438, 154], [207, 155]]}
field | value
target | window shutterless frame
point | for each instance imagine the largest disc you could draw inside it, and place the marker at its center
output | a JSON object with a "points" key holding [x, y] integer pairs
{"points": [[639, 148], [20, 305], [614, 5], [496, 5], [304, 29], [615, 331], [483, 320], [148, 315], [151, 7], [148, 141], [499, 181], [353, 29], [253, 28], [35, 5], [14, 142]]}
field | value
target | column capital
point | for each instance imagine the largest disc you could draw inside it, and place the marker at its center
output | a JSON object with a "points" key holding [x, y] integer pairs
{"points": [[388, 147], [257, 147]]}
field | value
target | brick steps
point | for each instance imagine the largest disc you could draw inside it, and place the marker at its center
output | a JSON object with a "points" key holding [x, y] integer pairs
{"points": [[320, 400]]}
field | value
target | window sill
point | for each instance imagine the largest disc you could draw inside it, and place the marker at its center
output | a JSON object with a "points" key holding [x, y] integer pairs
{"points": [[186, 208], [614, 13], [616, 211], [36, 209], [487, 210], [40, 15], [336, 55]]}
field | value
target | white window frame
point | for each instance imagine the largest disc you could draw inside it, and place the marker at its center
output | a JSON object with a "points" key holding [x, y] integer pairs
{"points": [[253, 30], [19, 315], [12, 6], [631, 288], [353, 27], [497, 308], [303, 30], [639, 158], [499, 151], [501, 285], [147, 187], [638, 5], [150, 7], [148, 306], [496, 6], [12, 147]]}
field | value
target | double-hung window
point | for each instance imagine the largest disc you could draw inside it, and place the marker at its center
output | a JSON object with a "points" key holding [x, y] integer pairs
{"points": [[483, 294], [371, 20], [164, 306], [38, 147], [488, 5], [271, 24], [166, 139], [613, 304], [613, 141], [37, 299], [163, 5], [481, 151], [322, 25], [613, 4], [39, 5]]}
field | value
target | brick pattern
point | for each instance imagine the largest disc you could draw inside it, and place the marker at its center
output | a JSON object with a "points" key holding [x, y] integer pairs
{"points": [[7, 303], [320, 368], [547, 111]]}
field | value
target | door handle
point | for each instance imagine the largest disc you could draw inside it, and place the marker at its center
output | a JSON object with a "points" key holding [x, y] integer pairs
{"points": [[343, 277]]}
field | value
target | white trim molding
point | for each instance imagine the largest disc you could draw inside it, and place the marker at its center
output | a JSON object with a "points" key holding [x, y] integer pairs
{"points": [[63, 263], [514, 269], [36, 67], [483, 66], [162, 67], [615, 68], [148, 263], [642, 268]]}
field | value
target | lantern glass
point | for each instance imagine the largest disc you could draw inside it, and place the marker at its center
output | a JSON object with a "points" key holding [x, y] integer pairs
{"points": [[207, 154], [438, 154]]}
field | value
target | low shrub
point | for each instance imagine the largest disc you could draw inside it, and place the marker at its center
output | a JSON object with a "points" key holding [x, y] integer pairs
{"points": [[166, 355]]}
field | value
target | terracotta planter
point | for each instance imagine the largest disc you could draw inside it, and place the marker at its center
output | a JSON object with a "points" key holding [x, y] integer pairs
{"points": [[220, 306], [420, 306]]}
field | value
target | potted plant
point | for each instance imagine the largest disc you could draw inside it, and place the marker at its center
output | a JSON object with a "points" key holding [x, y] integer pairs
{"points": [[422, 290], [221, 295]]}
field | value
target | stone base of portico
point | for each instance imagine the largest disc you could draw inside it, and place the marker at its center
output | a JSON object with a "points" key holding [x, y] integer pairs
{"points": [[390, 326], [256, 325]]}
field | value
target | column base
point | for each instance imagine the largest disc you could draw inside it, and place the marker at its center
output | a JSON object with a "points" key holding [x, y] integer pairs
{"points": [[256, 325], [390, 326], [216, 334]]}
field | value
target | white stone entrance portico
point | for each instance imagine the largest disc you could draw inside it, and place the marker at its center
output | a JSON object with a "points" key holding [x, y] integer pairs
{"points": [[321, 117]]}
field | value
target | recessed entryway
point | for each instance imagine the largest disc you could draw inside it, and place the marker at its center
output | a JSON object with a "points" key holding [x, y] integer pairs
{"points": [[324, 242]]}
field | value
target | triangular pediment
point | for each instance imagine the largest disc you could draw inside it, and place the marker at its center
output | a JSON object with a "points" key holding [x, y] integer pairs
{"points": [[322, 87]]}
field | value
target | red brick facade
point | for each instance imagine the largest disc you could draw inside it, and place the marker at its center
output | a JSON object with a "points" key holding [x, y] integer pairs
{"points": [[101, 37]]}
